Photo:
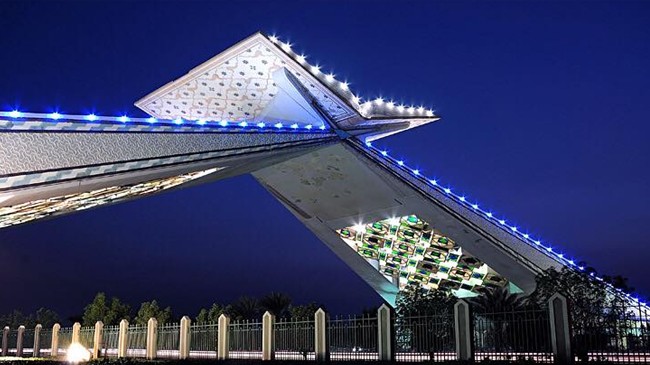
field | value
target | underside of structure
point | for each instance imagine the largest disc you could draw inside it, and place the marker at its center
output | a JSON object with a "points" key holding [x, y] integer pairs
{"points": [[260, 108]]}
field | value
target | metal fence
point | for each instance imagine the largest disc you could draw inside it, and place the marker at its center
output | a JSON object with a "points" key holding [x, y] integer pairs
{"points": [[245, 340], [294, 339], [425, 338], [137, 341], [168, 341], [110, 340], [353, 338], [203, 340], [620, 334], [65, 339], [86, 337], [45, 342], [512, 335]]}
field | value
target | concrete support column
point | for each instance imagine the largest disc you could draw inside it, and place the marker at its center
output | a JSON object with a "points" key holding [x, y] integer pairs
{"points": [[385, 333], [98, 338], [184, 346], [558, 311], [463, 329], [76, 330], [223, 340], [5, 341], [123, 338], [268, 336], [37, 340], [152, 338], [54, 350], [19, 341], [321, 340]]}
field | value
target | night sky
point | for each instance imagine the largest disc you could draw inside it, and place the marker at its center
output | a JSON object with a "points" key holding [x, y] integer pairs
{"points": [[545, 110]]}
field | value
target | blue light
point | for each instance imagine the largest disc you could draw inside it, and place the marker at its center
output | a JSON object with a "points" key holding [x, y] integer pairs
{"points": [[369, 144], [55, 116], [526, 235], [278, 125], [91, 117], [475, 206], [489, 214], [502, 222], [447, 190], [462, 198], [178, 121], [400, 162], [322, 128], [124, 119], [416, 172], [15, 114], [538, 243], [549, 249], [294, 126], [261, 125], [223, 123], [309, 126], [200, 122], [384, 153], [433, 182], [151, 120], [581, 268], [514, 229], [243, 124]]}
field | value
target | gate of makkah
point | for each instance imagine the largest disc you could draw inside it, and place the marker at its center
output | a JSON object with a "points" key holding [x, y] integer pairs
{"points": [[260, 108]]}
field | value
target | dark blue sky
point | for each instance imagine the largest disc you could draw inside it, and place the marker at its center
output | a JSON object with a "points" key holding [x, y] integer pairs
{"points": [[545, 112]]}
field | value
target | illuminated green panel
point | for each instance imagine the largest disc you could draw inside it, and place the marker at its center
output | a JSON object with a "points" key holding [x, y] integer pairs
{"points": [[410, 250]]}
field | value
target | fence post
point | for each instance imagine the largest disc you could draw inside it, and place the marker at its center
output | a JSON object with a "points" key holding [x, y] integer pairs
{"points": [[152, 338], [97, 339], [385, 333], [19, 341], [123, 340], [560, 331], [76, 329], [321, 345], [463, 329], [268, 336], [223, 337], [184, 346], [54, 350], [37, 341], [5, 341]]}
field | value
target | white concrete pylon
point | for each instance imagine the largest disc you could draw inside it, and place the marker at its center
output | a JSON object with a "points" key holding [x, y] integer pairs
{"points": [[560, 330], [37, 340], [5, 341], [123, 338], [76, 331], [97, 339], [384, 333], [54, 349], [268, 336], [152, 338], [19, 341], [463, 330], [223, 337], [321, 340], [184, 345]]}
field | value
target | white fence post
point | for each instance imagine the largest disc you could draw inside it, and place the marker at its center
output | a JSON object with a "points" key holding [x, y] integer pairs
{"points": [[5, 341], [321, 340], [37, 341], [560, 331], [76, 330], [123, 339], [184, 346], [54, 350], [19, 341], [463, 329], [152, 338], [223, 337], [97, 339], [384, 333], [268, 336]]}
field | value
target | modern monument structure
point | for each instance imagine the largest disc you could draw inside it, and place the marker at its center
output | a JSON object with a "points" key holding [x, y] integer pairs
{"points": [[259, 108]]}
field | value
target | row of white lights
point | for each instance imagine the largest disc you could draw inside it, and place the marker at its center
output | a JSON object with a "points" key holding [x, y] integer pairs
{"points": [[488, 215], [15, 114], [345, 86]]}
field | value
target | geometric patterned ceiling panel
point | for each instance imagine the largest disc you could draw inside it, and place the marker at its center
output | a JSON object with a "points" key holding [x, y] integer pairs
{"points": [[411, 253]]}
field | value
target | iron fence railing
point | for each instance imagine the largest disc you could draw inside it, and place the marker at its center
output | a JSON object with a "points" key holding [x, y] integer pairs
{"points": [[512, 335], [245, 340], [87, 337], [620, 334], [137, 341], [353, 338], [65, 339], [45, 341], [168, 341], [294, 339], [203, 340], [110, 340], [28, 342], [425, 338]]}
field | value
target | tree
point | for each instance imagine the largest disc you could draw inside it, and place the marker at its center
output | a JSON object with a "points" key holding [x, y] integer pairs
{"points": [[99, 310], [421, 302], [152, 310], [276, 303], [303, 312], [244, 308], [46, 317], [498, 300], [43, 316], [210, 315]]}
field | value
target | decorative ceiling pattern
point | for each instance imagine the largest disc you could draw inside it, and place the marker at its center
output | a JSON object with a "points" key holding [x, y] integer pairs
{"points": [[409, 250]]}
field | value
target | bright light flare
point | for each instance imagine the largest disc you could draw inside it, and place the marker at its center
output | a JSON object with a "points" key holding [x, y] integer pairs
{"points": [[76, 353]]}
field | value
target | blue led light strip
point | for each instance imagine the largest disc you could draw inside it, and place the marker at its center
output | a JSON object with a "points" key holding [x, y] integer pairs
{"points": [[92, 118], [501, 223]]}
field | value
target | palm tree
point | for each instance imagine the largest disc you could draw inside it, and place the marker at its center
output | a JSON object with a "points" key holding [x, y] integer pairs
{"points": [[245, 308], [276, 303], [497, 300]]}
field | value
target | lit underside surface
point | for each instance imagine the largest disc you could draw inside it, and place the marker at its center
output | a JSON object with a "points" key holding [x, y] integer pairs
{"points": [[420, 256], [38, 209]]}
